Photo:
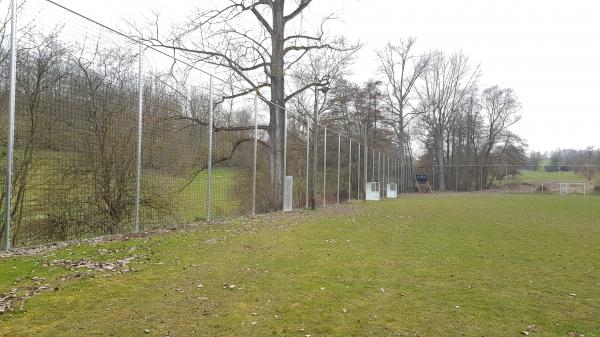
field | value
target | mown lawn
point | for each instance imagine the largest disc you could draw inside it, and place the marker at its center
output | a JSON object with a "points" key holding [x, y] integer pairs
{"points": [[422, 266]]}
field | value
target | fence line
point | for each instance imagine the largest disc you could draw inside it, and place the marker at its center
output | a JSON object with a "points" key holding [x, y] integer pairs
{"points": [[500, 178], [114, 121]]}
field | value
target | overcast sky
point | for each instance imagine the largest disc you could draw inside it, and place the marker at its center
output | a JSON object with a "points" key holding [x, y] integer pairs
{"points": [[547, 50]]}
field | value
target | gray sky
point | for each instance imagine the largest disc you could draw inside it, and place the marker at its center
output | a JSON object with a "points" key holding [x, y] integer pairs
{"points": [[547, 50]]}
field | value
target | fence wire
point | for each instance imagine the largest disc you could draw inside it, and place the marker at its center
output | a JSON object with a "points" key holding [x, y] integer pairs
{"points": [[113, 136]]}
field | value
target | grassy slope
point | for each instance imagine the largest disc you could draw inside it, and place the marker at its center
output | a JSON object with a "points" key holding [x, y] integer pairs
{"points": [[478, 266]]}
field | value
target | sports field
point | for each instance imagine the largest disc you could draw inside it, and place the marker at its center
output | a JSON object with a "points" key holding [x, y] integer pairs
{"points": [[460, 265]]}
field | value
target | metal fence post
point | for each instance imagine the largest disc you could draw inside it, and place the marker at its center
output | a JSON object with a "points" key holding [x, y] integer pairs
{"points": [[338, 166], [307, 158], [255, 154], [285, 140], [349, 169], [210, 143], [11, 124], [506, 180], [325, 168], [138, 167], [373, 170], [481, 177], [358, 174], [532, 181]]}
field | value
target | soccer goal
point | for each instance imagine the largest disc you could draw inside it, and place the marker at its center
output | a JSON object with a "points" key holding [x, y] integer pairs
{"points": [[564, 188]]}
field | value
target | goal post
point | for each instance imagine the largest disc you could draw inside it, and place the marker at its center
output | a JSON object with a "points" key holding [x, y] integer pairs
{"points": [[564, 188]]}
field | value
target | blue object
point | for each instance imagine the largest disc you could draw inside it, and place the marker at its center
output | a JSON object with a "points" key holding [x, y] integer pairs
{"points": [[422, 178]]}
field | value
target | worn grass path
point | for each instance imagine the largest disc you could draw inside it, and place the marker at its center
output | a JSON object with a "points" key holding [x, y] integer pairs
{"points": [[421, 266]]}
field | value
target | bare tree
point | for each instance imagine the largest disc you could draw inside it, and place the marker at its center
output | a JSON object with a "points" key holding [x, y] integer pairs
{"points": [[401, 69], [323, 69], [445, 84], [253, 42]]}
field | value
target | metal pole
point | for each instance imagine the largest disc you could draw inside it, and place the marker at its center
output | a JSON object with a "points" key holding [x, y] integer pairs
{"points": [[358, 174], [255, 155], [481, 177], [373, 164], [366, 168], [307, 158], [349, 169], [138, 171], [338, 166], [433, 181], [506, 180], [532, 181], [325, 168], [210, 143], [378, 166], [285, 127], [11, 124]]}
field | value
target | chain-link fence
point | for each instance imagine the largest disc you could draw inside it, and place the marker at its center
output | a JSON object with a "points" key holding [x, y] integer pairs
{"points": [[113, 136], [517, 179]]}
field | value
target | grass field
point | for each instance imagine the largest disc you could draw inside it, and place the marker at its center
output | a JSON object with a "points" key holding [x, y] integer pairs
{"points": [[422, 266]]}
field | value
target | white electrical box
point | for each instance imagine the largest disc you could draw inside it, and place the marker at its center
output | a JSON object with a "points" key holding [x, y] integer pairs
{"points": [[392, 190], [372, 191]]}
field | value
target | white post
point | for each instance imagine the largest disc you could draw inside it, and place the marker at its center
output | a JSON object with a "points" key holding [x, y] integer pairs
{"points": [[373, 170], [433, 180], [338, 166], [138, 171], [481, 177], [349, 169], [325, 168], [506, 180], [285, 127], [255, 154], [210, 143], [11, 124], [307, 158], [358, 174], [532, 181]]}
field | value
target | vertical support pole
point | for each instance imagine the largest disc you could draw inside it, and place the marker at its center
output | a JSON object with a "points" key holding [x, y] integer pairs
{"points": [[379, 166], [358, 175], [349, 169], [506, 180], [138, 166], [255, 154], [11, 125], [307, 158], [325, 168], [339, 166], [366, 169], [532, 181], [210, 146], [433, 181], [373, 164], [285, 135], [481, 177]]}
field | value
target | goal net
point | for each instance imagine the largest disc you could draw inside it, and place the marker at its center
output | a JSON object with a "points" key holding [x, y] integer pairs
{"points": [[564, 188]]}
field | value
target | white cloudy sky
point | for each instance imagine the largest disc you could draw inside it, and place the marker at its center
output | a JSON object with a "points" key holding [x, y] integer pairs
{"points": [[547, 50]]}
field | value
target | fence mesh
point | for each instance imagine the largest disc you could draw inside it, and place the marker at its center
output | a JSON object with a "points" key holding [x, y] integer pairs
{"points": [[90, 100]]}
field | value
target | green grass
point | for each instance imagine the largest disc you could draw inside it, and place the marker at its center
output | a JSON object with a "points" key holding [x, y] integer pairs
{"points": [[421, 266]]}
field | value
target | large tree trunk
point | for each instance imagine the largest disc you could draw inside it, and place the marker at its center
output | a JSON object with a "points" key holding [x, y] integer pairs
{"points": [[277, 109]]}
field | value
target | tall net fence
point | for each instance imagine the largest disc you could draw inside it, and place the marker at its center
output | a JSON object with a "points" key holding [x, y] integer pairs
{"points": [[517, 179], [114, 136]]}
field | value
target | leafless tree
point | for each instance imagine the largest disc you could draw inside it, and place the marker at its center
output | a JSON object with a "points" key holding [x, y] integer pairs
{"points": [[258, 43], [445, 84], [401, 68]]}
